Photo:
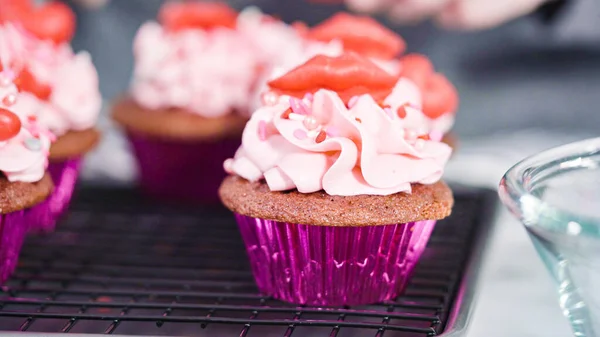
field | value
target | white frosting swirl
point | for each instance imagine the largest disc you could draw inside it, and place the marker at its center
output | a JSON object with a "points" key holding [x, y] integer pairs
{"points": [[209, 73]]}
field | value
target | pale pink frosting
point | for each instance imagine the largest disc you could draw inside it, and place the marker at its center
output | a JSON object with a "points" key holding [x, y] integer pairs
{"points": [[209, 73], [406, 92], [19, 161], [367, 150], [75, 102]]}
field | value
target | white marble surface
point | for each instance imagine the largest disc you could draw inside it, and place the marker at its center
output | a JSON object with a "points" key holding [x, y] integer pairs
{"points": [[517, 296]]}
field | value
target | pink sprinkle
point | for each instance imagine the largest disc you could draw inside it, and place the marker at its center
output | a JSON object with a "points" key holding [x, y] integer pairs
{"points": [[300, 134], [298, 106], [262, 130], [309, 97], [352, 101]]}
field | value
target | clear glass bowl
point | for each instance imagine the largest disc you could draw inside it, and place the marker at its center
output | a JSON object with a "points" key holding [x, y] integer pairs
{"points": [[556, 194]]}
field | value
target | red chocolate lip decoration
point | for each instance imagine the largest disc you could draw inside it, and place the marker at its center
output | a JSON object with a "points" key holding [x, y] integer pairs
{"points": [[52, 21], [10, 125], [177, 16], [361, 34], [348, 74], [26, 81], [439, 95]]}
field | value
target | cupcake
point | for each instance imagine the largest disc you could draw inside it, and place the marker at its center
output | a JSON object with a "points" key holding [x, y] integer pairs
{"points": [[335, 195], [57, 87], [435, 97], [188, 101], [24, 184]]}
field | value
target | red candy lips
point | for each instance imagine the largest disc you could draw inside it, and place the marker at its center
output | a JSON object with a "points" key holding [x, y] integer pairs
{"points": [[348, 74], [360, 34], [52, 21], [177, 16], [10, 125], [26, 81], [439, 95]]}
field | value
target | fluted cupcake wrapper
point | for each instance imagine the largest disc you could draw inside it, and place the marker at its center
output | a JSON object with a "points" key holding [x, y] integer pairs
{"points": [[13, 230], [332, 266], [64, 175], [181, 171]]}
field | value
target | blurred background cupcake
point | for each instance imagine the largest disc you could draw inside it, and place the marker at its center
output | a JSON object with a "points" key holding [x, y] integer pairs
{"points": [[58, 88], [188, 101], [25, 186], [335, 194]]}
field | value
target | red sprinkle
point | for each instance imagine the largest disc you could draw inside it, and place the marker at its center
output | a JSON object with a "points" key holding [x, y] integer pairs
{"points": [[286, 113], [401, 111], [424, 137], [358, 119], [32, 118], [321, 137]]}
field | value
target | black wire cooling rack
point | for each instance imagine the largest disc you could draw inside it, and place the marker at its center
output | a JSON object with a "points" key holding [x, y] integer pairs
{"points": [[121, 265]]}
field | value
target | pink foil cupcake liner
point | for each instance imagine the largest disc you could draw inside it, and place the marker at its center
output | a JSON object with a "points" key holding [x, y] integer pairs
{"points": [[181, 171], [13, 230], [64, 175], [332, 266]]}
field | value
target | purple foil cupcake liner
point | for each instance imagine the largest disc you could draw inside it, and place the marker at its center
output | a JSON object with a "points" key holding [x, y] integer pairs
{"points": [[181, 171], [332, 266], [13, 230], [64, 175]]}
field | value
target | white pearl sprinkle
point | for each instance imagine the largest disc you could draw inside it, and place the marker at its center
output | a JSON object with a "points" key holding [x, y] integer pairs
{"points": [[310, 123], [296, 117]]}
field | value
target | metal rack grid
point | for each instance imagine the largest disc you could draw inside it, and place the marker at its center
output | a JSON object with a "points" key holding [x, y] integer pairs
{"points": [[122, 265]]}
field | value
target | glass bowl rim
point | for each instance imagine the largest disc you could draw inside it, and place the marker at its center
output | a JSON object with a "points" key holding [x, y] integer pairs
{"points": [[515, 189]]}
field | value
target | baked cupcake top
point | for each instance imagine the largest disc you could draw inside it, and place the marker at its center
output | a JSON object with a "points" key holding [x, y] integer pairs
{"points": [[195, 59], [325, 127], [57, 86], [24, 143]]}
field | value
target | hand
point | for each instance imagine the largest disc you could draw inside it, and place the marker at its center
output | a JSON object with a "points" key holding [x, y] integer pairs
{"points": [[92, 4], [454, 14]]}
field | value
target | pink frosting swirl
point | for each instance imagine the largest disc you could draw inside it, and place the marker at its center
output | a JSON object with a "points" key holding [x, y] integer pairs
{"points": [[75, 101], [319, 143], [209, 73], [23, 157], [407, 92]]}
